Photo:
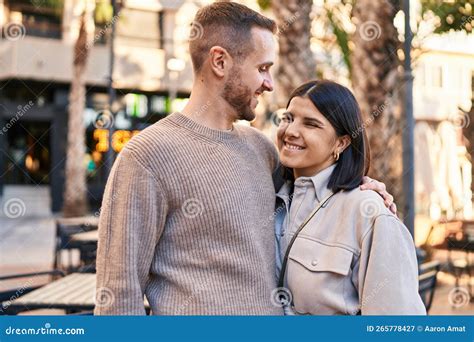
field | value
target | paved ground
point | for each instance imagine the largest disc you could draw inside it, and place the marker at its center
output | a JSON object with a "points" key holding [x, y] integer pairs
{"points": [[27, 245]]}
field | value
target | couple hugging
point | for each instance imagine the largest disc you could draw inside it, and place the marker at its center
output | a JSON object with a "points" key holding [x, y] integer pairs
{"points": [[205, 217]]}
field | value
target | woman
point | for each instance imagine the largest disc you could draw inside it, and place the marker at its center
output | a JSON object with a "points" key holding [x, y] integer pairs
{"points": [[343, 252]]}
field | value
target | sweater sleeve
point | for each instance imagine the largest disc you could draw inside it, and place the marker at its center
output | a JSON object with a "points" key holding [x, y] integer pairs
{"points": [[388, 270], [131, 221]]}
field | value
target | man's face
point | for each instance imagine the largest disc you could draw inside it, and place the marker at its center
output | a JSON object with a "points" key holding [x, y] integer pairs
{"points": [[247, 81]]}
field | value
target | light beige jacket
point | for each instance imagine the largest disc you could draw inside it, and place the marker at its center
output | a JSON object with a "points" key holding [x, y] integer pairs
{"points": [[353, 257]]}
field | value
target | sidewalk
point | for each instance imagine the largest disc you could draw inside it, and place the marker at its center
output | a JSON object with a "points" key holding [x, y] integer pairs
{"points": [[26, 233]]}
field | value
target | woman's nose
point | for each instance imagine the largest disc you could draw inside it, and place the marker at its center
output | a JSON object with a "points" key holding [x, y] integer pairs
{"points": [[292, 130]]}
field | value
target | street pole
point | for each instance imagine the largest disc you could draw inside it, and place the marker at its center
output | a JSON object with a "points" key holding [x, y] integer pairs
{"points": [[408, 132], [109, 155]]}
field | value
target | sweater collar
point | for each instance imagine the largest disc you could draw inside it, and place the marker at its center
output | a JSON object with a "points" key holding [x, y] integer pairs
{"points": [[194, 126]]}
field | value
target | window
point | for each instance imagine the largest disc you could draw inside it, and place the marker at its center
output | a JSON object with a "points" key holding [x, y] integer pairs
{"points": [[437, 76], [145, 34], [41, 18]]}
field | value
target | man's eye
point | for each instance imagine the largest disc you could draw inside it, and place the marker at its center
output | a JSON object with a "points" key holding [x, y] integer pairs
{"points": [[264, 69]]}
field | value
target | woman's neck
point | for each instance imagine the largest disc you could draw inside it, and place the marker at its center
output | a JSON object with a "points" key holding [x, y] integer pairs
{"points": [[310, 172]]}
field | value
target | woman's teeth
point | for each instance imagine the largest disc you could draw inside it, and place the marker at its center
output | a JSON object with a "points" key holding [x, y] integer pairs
{"points": [[293, 147]]}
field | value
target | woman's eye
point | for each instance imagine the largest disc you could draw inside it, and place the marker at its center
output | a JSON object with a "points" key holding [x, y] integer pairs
{"points": [[263, 69]]}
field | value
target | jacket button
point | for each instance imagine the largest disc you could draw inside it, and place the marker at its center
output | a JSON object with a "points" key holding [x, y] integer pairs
{"points": [[314, 262]]}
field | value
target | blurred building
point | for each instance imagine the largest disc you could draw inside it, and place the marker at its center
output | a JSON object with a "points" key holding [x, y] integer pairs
{"points": [[152, 77], [443, 98]]}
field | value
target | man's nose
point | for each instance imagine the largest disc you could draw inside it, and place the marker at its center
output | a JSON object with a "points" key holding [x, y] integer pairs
{"points": [[268, 83]]}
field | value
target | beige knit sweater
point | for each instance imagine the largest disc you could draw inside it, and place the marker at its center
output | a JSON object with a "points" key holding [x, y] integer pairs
{"points": [[187, 220]]}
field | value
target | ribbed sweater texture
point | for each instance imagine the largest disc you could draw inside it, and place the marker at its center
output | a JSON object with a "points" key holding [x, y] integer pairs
{"points": [[187, 220]]}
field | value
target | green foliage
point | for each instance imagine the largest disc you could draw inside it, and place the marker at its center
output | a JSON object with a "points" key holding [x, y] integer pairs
{"points": [[454, 15], [103, 12], [265, 4], [55, 5], [342, 38], [48, 3]]}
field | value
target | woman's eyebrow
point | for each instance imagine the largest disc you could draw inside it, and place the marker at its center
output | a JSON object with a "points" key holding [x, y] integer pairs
{"points": [[307, 118]]}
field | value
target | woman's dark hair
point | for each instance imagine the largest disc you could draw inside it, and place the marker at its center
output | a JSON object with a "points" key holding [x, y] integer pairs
{"points": [[339, 106]]}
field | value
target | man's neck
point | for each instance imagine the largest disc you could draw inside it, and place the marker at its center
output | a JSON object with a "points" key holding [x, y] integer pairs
{"points": [[209, 111]]}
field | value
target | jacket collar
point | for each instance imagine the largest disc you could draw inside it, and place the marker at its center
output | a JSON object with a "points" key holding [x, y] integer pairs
{"points": [[320, 182], [285, 192]]}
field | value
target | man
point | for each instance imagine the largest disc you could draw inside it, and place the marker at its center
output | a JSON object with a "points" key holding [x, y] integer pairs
{"points": [[187, 215]]}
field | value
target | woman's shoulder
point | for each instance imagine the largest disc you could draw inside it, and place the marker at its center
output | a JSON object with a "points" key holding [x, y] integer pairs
{"points": [[365, 212], [367, 203]]}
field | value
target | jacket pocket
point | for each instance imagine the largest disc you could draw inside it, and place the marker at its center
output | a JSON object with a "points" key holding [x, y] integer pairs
{"points": [[319, 257], [318, 276]]}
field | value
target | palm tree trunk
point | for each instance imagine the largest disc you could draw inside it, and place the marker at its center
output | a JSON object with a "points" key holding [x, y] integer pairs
{"points": [[376, 82], [296, 63], [75, 195]]}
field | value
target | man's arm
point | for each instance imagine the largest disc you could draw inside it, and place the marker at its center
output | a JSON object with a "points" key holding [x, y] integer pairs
{"points": [[132, 218], [379, 187]]}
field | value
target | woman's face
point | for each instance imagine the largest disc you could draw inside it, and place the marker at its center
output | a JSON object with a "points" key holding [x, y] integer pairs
{"points": [[306, 139]]}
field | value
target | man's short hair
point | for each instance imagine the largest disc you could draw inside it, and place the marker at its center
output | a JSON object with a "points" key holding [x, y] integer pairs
{"points": [[225, 24]]}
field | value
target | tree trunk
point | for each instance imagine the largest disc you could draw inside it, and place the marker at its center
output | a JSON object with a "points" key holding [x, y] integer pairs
{"points": [[75, 195], [296, 63], [378, 87]]}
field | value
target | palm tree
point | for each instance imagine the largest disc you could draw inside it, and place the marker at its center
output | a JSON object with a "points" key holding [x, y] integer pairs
{"points": [[75, 195], [377, 82], [296, 62]]}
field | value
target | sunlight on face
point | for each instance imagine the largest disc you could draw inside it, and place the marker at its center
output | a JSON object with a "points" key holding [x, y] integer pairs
{"points": [[306, 139]]}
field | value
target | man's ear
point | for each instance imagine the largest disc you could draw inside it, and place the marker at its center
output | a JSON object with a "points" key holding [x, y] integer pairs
{"points": [[220, 60], [342, 143]]}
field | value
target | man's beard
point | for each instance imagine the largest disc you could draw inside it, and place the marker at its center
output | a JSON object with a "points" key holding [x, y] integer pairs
{"points": [[238, 96]]}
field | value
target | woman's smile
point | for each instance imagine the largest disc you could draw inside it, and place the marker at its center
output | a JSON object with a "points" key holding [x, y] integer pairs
{"points": [[292, 147]]}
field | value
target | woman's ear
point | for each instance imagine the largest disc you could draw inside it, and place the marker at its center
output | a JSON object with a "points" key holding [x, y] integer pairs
{"points": [[220, 60], [342, 143]]}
